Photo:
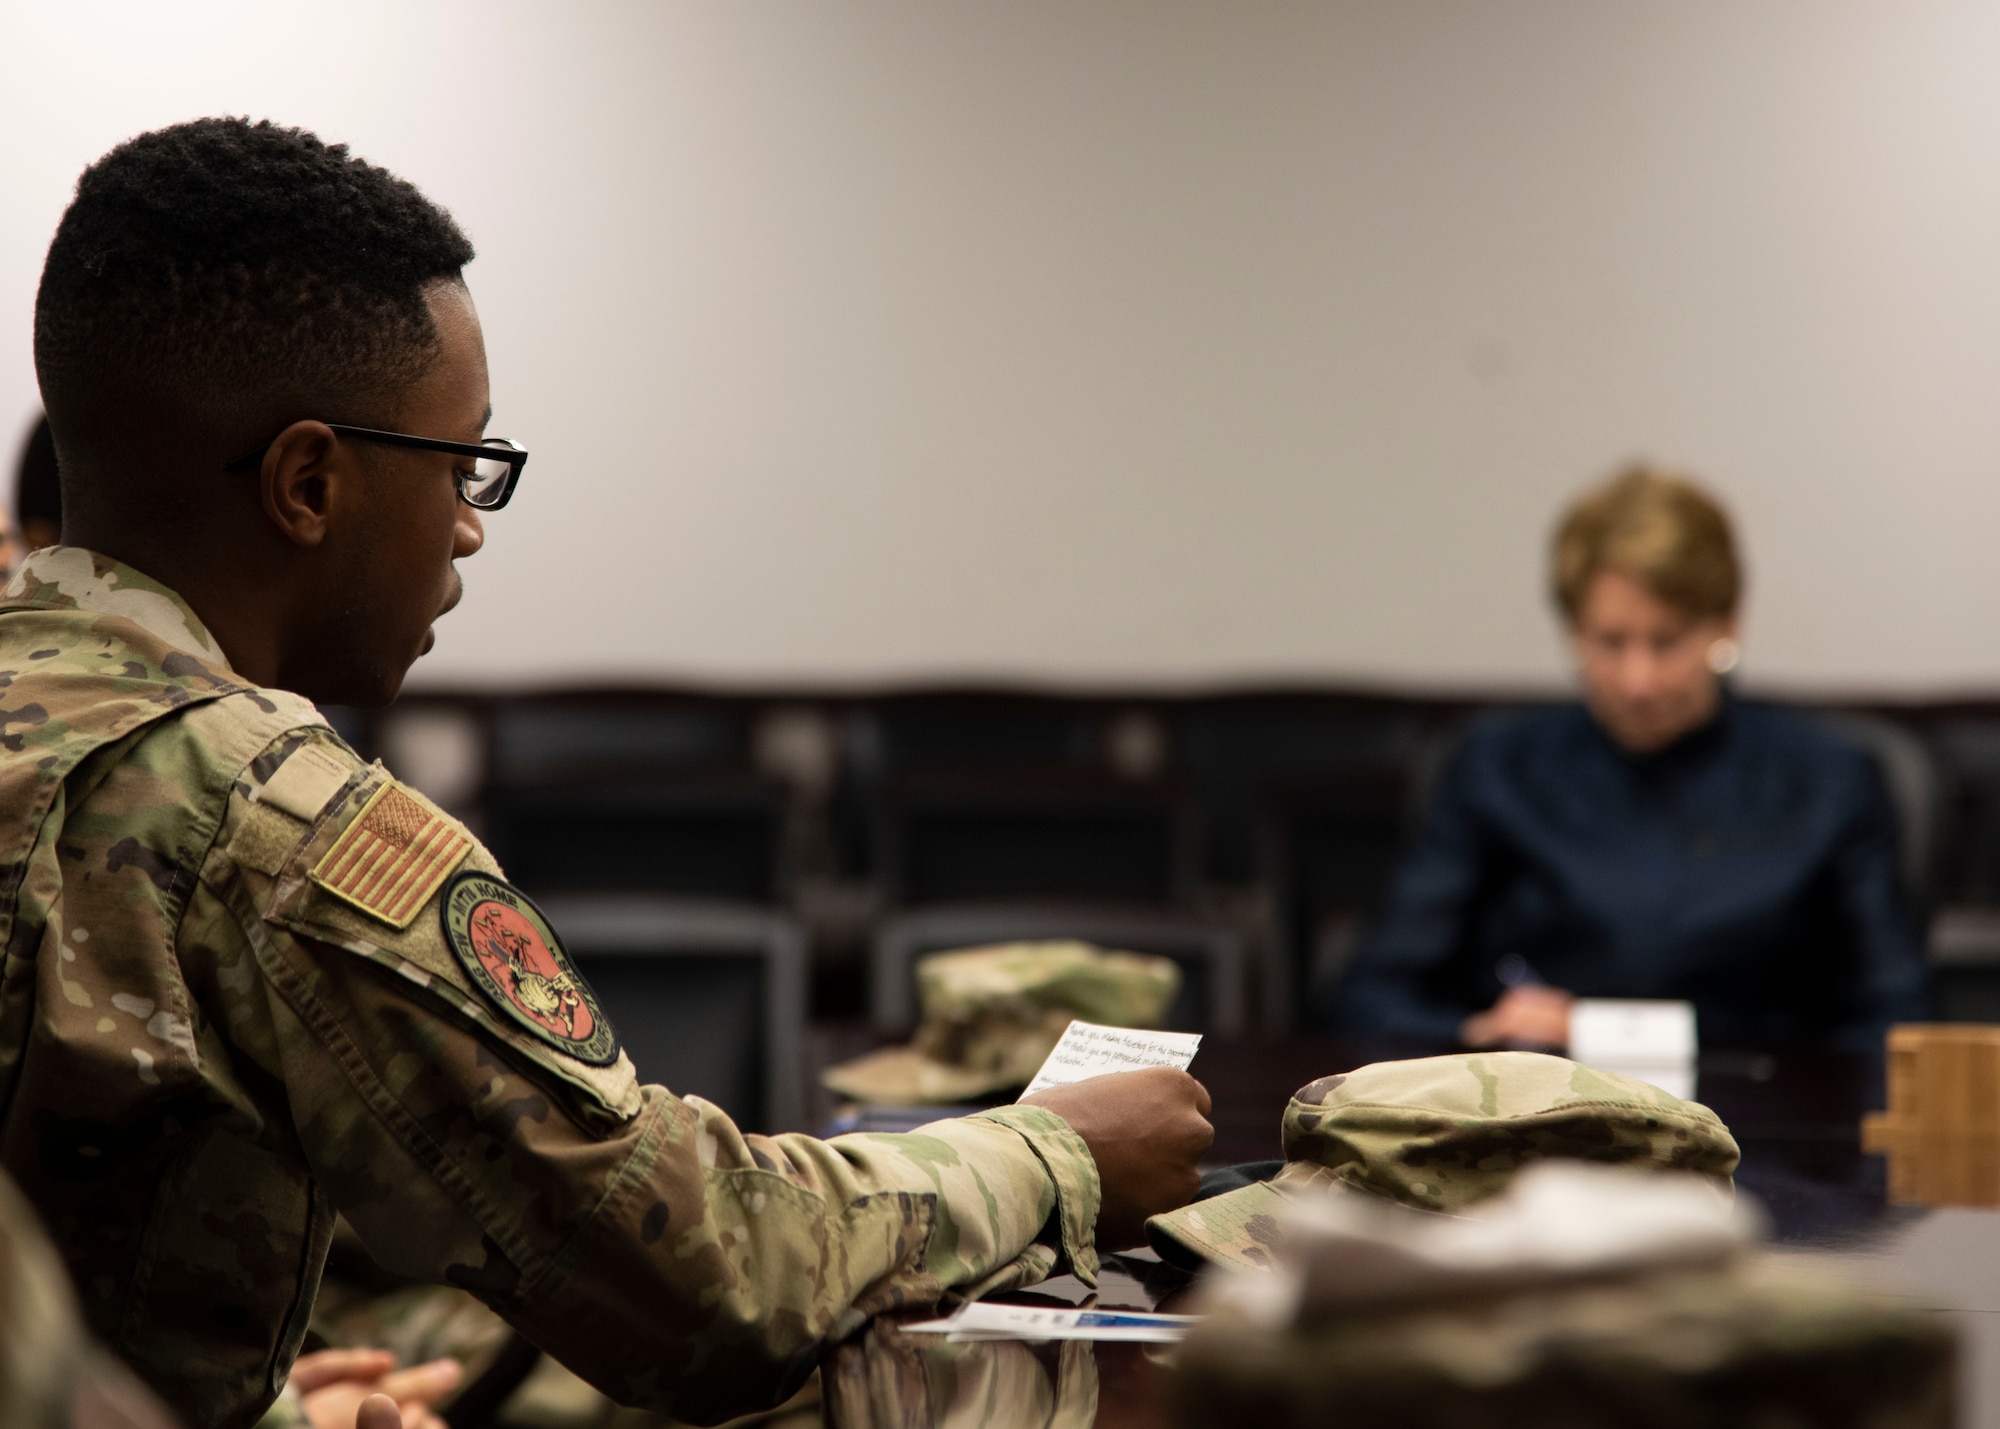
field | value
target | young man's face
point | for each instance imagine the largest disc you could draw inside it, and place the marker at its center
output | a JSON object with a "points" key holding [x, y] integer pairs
{"points": [[397, 572]]}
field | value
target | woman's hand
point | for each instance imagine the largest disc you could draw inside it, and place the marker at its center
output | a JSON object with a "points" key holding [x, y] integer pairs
{"points": [[1531, 1016], [334, 1385]]}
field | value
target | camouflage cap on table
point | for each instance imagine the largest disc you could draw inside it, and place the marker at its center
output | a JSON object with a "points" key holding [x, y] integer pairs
{"points": [[992, 1015], [1440, 1133]]}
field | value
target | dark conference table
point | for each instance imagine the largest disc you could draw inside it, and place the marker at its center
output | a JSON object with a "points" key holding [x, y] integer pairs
{"points": [[1796, 1116]]}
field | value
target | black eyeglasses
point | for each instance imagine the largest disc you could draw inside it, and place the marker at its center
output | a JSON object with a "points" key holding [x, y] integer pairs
{"points": [[496, 462]]}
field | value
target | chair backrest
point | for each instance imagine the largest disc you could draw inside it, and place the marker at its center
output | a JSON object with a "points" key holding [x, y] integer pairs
{"points": [[1910, 773], [889, 738], [1242, 753], [537, 741], [707, 1000], [1329, 851], [724, 838], [956, 837]]}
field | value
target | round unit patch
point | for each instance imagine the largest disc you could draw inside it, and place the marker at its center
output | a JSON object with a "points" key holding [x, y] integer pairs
{"points": [[516, 959]]}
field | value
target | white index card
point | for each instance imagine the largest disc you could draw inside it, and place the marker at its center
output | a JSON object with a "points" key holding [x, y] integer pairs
{"points": [[1088, 1050]]}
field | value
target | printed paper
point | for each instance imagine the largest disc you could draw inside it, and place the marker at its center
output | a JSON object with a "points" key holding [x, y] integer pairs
{"points": [[1088, 1050], [985, 1321]]}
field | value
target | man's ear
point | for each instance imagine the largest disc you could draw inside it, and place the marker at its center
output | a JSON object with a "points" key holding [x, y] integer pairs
{"points": [[300, 479]]}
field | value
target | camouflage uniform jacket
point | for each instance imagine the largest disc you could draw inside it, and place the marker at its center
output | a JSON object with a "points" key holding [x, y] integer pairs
{"points": [[204, 1052]]}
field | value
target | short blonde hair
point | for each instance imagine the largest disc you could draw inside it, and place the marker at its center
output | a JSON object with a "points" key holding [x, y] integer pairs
{"points": [[1660, 529]]}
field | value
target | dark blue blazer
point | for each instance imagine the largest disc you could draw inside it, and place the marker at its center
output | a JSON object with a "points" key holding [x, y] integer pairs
{"points": [[1750, 868]]}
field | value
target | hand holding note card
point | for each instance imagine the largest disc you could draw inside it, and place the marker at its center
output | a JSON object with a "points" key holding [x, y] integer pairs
{"points": [[1088, 1050]]}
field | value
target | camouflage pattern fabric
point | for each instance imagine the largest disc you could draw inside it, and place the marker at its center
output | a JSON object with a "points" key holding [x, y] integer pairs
{"points": [[51, 1375], [991, 1016], [42, 1343], [1766, 1340], [1439, 1133], [204, 1052]]}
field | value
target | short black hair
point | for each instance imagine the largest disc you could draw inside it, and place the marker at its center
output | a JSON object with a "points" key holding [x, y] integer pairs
{"points": [[221, 259]]}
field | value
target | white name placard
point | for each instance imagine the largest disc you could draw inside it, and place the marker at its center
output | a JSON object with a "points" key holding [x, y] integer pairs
{"points": [[1653, 1041]]}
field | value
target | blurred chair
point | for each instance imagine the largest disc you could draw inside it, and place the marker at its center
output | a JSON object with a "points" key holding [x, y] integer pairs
{"points": [[1048, 833], [1330, 850], [625, 795], [1968, 749], [1965, 929], [720, 838], [707, 999], [1006, 818], [1242, 753], [1209, 952], [660, 857], [1965, 964], [1962, 941], [1329, 842], [895, 736], [1005, 796], [1911, 777], [541, 741]]}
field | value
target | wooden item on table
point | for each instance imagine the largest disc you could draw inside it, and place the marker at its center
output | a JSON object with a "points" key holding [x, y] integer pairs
{"points": [[1941, 1132]]}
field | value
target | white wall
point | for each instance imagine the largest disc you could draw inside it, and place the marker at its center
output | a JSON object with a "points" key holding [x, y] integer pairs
{"points": [[1127, 341]]}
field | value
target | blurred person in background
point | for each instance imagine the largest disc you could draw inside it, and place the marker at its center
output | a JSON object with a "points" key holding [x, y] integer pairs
{"points": [[1662, 838]]}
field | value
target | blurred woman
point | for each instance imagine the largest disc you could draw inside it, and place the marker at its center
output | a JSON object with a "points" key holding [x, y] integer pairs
{"points": [[1661, 839]]}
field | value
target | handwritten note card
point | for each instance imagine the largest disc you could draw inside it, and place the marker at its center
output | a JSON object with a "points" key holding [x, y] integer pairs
{"points": [[1088, 1050]]}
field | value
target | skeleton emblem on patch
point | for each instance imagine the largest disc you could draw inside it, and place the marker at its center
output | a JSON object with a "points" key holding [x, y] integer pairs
{"points": [[503, 940], [520, 963]]}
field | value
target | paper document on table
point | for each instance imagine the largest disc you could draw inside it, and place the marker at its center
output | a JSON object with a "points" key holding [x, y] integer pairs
{"points": [[1088, 1050], [1653, 1041], [986, 1321]]}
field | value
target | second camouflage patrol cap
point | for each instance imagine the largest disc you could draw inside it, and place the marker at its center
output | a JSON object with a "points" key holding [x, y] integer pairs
{"points": [[991, 1016], [1440, 1133]]}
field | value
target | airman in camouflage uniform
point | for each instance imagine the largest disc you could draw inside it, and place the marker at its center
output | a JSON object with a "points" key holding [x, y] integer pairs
{"points": [[207, 1048], [250, 980]]}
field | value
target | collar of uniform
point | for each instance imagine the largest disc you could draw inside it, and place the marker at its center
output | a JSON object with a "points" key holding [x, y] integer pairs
{"points": [[72, 578]]}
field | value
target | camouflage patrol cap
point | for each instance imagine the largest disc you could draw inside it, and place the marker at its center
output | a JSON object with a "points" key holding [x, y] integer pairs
{"points": [[992, 1015], [1440, 1133]]}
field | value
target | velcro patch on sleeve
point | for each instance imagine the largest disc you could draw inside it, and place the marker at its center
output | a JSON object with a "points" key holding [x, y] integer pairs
{"points": [[393, 857], [507, 946], [306, 782]]}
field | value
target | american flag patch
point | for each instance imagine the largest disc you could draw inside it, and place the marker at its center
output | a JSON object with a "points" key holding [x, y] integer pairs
{"points": [[393, 856]]}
